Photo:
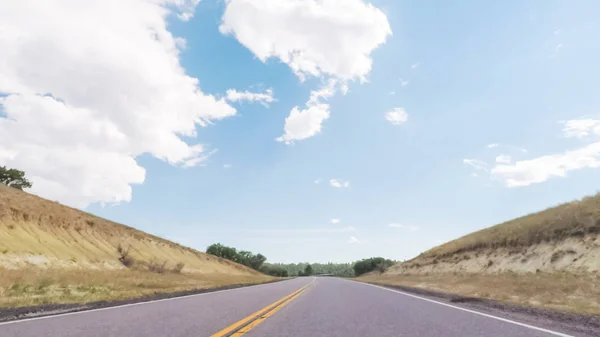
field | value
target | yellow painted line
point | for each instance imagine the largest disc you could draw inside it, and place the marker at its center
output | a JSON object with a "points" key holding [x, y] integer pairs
{"points": [[258, 315], [268, 314]]}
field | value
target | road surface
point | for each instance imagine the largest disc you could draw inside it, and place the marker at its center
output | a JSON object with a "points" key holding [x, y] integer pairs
{"points": [[302, 307]]}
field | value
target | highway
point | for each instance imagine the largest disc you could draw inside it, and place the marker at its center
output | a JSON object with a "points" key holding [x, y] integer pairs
{"points": [[302, 307]]}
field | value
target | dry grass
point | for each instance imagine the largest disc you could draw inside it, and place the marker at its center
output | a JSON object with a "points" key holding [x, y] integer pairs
{"points": [[35, 286], [559, 291], [575, 219], [47, 234], [50, 253]]}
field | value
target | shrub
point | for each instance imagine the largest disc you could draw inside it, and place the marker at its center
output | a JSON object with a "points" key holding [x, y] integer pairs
{"points": [[127, 260], [178, 268], [156, 266], [378, 264]]}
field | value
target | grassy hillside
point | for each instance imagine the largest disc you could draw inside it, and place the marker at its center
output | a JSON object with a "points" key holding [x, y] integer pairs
{"points": [[576, 219], [548, 259], [52, 253]]}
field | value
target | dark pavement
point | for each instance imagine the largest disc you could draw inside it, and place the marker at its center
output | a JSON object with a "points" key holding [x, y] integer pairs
{"points": [[328, 307]]}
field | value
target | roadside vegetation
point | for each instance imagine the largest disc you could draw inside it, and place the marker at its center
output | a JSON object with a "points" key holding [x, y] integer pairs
{"points": [[558, 291], [575, 219], [50, 253], [549, 259], [34, 286]]}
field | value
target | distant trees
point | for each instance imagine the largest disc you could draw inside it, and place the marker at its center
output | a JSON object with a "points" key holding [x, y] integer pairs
{"points": [[372, 264], [249, 259], [14, 178], [258, 262], [298, 269], [274, 271]]}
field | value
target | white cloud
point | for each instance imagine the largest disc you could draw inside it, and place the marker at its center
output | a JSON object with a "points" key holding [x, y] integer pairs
{"points": [[581, 128], [317, 181], [353, 239], [91, 85], [393, 92], [397, 116], [493, 145], [411, 228], [476, 164], [526, 172], [227, 166], [262, 98], [474, 175], [328, 39], [337, 183], [313, 38], [558, 47], [302, 124], [415, 65], [503, 159], [403, 82], [335, 220]]}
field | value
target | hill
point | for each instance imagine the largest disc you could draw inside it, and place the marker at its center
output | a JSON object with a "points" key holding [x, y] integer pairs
{"points": [[50, 253], [549, 258]]}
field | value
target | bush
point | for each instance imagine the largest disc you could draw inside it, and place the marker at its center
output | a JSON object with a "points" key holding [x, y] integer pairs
{"points": [[124, 256], [178, 267], [378, 264], [156, 266], [274, 271]]}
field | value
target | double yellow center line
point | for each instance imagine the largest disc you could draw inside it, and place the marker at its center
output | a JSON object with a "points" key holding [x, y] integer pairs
{"points": [[244, 325]]}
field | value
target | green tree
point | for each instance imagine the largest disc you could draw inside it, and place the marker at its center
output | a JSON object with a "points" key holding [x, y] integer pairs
{"points": [[13, 178], [372, 264], [308, 270], [223, 251]]}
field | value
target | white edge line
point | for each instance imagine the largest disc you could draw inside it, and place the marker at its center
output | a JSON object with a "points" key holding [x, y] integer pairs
{"points": [[85, 311], [556, 333]]}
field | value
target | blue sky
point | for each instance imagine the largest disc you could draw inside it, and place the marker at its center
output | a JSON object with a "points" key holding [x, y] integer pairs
{"points": [[502, 120]]}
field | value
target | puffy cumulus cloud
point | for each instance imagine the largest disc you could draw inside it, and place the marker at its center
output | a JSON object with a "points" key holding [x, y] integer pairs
{"points": [[338, 183], [335, 220], [88, 86], [397, 116], [537, 170], [493, 145], [313, 37], [262, 98], [330, 39], [581, 128], [307, 122]]}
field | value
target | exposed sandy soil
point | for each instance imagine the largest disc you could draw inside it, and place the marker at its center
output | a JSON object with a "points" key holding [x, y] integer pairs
{"points": [[549, 259], [50, 253]]}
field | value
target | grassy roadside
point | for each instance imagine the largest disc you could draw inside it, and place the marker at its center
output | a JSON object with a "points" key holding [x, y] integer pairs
{"points": [[558, 291], [35, 286]]}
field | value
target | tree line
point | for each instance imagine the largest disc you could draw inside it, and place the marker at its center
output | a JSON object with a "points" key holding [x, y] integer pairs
{"points": [[258, 262]]}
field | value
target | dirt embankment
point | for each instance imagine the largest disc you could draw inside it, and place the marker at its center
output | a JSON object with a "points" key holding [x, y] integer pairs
{"points": [[549, 259], [50, 253]]}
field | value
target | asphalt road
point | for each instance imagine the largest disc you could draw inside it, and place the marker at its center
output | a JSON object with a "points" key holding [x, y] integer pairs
{"points": [[326, 307]]}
